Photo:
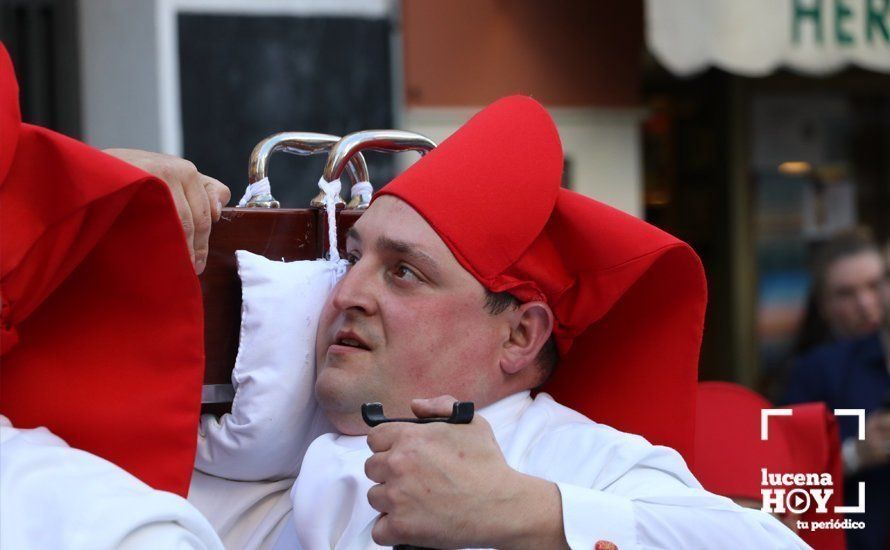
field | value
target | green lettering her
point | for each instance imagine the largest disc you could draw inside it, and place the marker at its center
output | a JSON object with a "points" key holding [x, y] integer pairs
{"points": [[877, 19], [803, 13], [842, 12]]}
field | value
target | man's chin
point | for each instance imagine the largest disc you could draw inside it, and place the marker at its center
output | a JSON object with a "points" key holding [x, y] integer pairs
{"points": [[344, 421], [348, 424], [341, 410]]}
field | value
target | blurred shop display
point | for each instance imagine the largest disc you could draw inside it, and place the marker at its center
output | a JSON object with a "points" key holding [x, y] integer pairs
{"points": [[814, 162], [768, 132], [800, 166]]}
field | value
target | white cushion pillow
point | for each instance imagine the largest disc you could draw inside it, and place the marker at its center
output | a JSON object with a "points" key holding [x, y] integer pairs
{"points": [[274, 416]]}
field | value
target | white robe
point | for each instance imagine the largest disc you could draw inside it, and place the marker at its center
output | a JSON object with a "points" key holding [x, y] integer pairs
{"points": [[56, 497], [614, 486]]}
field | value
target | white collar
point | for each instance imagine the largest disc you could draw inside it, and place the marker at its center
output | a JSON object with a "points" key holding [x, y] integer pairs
{"points": [[507, 411]]}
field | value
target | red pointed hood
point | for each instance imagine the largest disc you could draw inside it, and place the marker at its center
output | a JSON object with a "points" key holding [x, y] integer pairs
{"points": [[102, 332], [628, 298]]}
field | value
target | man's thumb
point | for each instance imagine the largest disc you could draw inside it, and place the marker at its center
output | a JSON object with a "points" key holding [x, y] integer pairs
{"points": [[435, 406]]}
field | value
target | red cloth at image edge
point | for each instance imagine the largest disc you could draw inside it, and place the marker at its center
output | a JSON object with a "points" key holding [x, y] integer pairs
{"points": [[628, 298], [729, 453], [102, 331]]}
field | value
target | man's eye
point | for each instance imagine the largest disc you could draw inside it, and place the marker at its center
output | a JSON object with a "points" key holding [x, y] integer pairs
{"points": [[351, 258], [406, 273]]}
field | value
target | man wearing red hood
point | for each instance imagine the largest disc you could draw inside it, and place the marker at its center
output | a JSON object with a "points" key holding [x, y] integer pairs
{"points": [[476, 277]]}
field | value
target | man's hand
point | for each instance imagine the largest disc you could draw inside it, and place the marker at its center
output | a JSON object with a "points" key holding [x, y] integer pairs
{"points": [[444, 486], [199, 199], [875, 449]]}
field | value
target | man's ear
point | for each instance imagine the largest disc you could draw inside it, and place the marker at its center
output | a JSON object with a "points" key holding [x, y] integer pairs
{"points": [[530, 326]]}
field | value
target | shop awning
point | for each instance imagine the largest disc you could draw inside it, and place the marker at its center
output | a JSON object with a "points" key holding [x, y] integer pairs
{"points": [[756, 37]]}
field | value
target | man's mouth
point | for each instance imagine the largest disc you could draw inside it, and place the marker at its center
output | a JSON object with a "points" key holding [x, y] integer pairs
{"points": [[351, 340]]}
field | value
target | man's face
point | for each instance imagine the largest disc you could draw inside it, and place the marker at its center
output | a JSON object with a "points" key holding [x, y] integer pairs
{"points": [[407, 321], [851, 300]]}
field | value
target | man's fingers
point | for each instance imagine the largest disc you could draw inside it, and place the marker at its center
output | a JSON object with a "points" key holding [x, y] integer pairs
{"points": [[185, 214], [376, 467], [384, 533], [218, 195], [199, 199], [199, 204], [390, 530], [378, 498], [382, 437], [436, 406]]}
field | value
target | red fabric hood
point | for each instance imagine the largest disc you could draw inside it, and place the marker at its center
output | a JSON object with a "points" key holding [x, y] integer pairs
{"points": [[102, 331]]}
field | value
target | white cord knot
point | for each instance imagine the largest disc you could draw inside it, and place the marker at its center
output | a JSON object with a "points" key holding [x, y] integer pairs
{"points": [[331, 188], [255, 189], [362, 189], [331, 194]]}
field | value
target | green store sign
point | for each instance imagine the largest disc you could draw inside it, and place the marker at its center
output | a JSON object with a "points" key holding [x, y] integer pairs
{"points": [[756, 38], [841, 22]]}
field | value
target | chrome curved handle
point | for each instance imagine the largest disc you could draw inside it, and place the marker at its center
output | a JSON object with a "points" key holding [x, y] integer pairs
{"points": [[295, 143], [387, 141]]}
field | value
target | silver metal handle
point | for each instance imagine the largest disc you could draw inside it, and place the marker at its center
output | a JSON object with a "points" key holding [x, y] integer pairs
{"points": [[387, 141], [296, 143]]}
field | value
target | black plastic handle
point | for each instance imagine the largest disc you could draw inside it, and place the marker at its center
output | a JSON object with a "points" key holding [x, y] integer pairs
{"points": [[461, 413]]}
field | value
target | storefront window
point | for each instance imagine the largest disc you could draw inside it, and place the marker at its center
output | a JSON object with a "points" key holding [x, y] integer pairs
{"points": [[818, 171]]}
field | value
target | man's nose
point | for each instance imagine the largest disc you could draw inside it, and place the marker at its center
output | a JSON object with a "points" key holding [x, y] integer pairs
{"points": [[354, 291]]}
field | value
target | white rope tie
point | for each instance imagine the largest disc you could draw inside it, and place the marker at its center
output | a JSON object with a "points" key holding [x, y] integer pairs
{"points": [[255, 189], [331, 193], [363, 189]]}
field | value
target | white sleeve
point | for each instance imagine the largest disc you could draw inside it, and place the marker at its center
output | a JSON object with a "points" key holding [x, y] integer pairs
{"points": [[618, 488], [686, 518], [56, 497]]}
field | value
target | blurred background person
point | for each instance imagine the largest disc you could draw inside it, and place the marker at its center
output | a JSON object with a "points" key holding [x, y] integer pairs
{"points": [[841, 302], [855, 374], [844, 299]]}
